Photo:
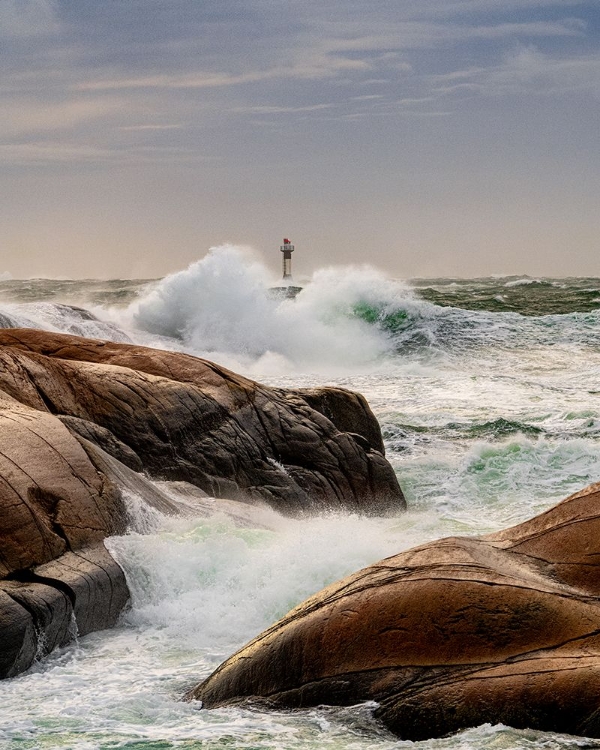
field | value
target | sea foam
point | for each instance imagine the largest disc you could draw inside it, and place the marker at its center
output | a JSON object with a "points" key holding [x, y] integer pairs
{"points": [[221, 306]]}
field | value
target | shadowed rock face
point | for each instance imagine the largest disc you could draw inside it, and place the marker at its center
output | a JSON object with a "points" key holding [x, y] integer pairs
{"points": [[79, 418], [452, 634]]}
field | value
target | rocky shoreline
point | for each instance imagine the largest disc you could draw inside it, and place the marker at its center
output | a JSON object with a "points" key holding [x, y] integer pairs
{"points": [[81, 419], [500, 629], [503, 628]]}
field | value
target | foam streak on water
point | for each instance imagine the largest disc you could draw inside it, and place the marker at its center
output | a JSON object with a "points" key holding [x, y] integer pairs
{"points": [[488, 393]]}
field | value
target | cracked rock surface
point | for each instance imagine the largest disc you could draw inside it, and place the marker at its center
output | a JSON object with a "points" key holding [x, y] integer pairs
{"points": [[79, 418], [452, 634]]}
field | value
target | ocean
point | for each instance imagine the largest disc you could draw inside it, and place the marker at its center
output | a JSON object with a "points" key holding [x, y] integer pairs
{"points": [[488, 394]]}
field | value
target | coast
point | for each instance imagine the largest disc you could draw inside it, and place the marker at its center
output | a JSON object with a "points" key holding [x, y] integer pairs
{"points": [[489, 418], [82, 418], [501, 629]]}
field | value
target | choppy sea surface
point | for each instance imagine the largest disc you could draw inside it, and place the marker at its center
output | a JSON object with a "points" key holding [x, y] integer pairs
{"points": [[488, 394]]}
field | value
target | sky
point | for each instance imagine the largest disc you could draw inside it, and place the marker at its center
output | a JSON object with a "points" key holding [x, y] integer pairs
{"points": [[426, 137]]}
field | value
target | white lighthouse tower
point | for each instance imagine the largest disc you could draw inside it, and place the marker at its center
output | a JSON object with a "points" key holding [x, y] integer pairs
{"points": [[286, 290], [287, 249]]}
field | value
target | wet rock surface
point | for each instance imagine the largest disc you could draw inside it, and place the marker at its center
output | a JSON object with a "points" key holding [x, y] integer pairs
{"points": [[453, 634], [80, 419]]}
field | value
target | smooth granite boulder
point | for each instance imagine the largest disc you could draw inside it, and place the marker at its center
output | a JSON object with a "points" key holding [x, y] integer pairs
{"points": [[52, 498], [56, 508], [502, 629]]}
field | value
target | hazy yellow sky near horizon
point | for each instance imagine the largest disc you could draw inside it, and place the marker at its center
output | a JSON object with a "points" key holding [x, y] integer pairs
{"points": [[445, 137]]}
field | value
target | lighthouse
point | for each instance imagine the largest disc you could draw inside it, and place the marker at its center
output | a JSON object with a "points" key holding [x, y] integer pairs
{"points": [[286, 290], [287, 249]]}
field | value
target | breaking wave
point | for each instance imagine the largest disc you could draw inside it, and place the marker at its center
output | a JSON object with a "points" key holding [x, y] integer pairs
{"points": [[225, 307], [489, 416], [52, 316]]}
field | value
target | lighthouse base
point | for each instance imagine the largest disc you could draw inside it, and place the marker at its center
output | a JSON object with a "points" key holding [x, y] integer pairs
{"points": [[284, 292]]}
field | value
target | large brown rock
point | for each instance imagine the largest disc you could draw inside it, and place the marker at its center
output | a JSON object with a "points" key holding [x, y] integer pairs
{"points": [[452, 634], [183, 418], [56, 578], [49, 605], [52, 498], [79, 419]]}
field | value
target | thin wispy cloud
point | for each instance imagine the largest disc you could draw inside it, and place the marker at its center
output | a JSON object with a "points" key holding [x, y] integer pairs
{"points": [[271, 110], [20, 117], [43, 153], [453, 8], [316, 69], [526, 70], [175, 126]]}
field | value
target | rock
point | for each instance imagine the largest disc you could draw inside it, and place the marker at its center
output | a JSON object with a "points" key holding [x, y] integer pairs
{"points": [[17, 636], [52, 498], [56, 509], [187, 419], [49, 618], [348, 411], [132, 485], [79, 420], [48, 606], [94, 584], [104, 439], [452, 634]]}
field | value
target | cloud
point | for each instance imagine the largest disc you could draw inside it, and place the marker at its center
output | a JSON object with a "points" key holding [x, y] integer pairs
{"points": [[103, 77], [20, 117], [28, 18], [174, 126], [401, 36], [271, 110], [453, 8], [526, 70], [187, 81], [321, 66], [566, 28], [46, 153]]}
